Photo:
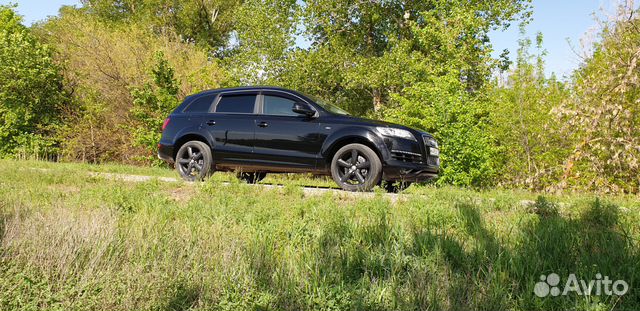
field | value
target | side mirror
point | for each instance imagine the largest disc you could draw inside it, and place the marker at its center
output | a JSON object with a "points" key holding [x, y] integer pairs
{"points": [[303, 109]]}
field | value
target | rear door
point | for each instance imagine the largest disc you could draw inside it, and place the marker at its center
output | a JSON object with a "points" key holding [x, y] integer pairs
{"points": [[232, 126], [284, 138]]}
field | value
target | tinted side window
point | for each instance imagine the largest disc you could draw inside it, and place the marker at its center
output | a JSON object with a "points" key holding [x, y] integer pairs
{"points": [[236, 103], [201, 104], [275, 105]]}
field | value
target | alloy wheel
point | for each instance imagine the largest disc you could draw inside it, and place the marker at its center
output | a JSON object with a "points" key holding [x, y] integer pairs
{"points": [[353, 167], [190, 162]]}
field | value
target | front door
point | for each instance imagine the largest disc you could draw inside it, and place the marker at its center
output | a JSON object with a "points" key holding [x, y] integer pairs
{"points": [[284, 138]]}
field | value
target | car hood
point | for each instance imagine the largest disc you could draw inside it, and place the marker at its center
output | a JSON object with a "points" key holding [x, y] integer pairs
{"points": [[371, 122], [365, 121]]}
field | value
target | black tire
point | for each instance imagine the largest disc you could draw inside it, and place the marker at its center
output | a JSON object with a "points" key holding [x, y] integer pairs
{"points": [[355, 167], [194, 161], [251, 178], [395, 186]]}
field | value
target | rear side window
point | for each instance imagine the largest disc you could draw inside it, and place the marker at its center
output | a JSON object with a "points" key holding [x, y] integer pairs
{"points": [[201, 104], [236, 103], [280, 106]]}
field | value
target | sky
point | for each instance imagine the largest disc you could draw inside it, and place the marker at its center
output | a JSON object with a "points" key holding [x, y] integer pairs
{"points": [[563, 24]]}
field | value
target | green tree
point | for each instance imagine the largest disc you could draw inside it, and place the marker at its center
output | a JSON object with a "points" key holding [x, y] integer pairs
{"points": [[444, 90], [420, 63], [363, 40], [264, 33], [31, 93], [208, 23], [604, 113], [152, 103], [525, 126], [103, 62]]}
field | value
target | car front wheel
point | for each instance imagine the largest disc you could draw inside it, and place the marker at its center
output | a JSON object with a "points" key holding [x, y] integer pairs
{"points": [[193, 161], [355, 167]]}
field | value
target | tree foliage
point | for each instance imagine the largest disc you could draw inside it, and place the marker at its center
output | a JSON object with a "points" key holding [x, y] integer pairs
{"points": [[420, 63], [604, 113], [525, 126], [208, 23], [370, 39], [100, 78], [152, 103], [440, 96], [263, 35], [31, 93], [103, 63]]}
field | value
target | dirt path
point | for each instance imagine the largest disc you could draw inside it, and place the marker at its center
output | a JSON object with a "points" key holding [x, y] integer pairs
{"points": [[306, 190]]}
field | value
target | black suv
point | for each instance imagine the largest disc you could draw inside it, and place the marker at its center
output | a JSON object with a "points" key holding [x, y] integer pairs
{"points": [[259, 130]]}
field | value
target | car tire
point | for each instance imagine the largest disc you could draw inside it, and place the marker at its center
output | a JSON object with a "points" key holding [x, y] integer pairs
{"points": [[355, 167], [395, 186], [194, 161], [251, 178]]}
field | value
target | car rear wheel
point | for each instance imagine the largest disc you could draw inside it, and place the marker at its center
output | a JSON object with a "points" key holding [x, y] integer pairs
{"points": [[251, 178], [193, 161], [355, 167]]}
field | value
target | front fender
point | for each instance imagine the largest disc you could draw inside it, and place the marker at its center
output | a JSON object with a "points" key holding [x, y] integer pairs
{"points": [[354, 134]]}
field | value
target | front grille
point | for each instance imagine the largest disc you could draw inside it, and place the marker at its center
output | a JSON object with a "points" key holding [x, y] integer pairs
{"points": [[406, 156]]}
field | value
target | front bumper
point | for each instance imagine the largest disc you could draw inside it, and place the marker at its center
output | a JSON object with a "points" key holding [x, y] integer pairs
{"points": [[411, 160], [398, 170]]}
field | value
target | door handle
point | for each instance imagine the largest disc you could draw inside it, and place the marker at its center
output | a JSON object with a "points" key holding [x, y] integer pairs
{"points": [[211, 122], [263, 124]]}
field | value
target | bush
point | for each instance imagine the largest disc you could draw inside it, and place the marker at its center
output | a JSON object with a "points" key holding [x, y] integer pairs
{"points": [[31, 94], [545, 208], [604, 215], [107, 68], [35, 146], [152, 104], [603, 113]]}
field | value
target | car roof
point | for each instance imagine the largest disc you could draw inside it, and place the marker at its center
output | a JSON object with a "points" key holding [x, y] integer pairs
{"points": [[248, 88], [189, 99]]}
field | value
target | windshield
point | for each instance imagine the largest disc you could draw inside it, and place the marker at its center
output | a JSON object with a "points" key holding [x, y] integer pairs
{"points": [[328, 107]]}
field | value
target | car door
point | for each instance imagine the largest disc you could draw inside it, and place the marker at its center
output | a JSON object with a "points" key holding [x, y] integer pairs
{"points": [[284, 138], [232, 126]]}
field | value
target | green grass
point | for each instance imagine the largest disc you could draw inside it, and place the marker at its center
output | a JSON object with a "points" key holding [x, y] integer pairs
{"points": [[70, 241], [276, 179]]}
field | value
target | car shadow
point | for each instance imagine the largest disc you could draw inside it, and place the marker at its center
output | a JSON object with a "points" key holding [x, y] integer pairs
{"points": [[450, 268]]}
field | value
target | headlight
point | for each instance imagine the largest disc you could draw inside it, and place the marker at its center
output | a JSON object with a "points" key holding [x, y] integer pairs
{"points": [[395, 132], [429, 141]]}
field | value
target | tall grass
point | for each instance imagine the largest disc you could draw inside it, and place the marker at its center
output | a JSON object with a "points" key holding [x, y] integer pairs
{"points": [[72, 241]]}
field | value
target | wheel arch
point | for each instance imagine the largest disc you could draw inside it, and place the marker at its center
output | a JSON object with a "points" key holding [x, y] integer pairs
{"points": [[364, 137], [186, 138]]}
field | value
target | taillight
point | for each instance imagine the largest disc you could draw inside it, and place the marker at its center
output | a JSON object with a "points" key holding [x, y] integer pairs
{"points": [[166, 122]]}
